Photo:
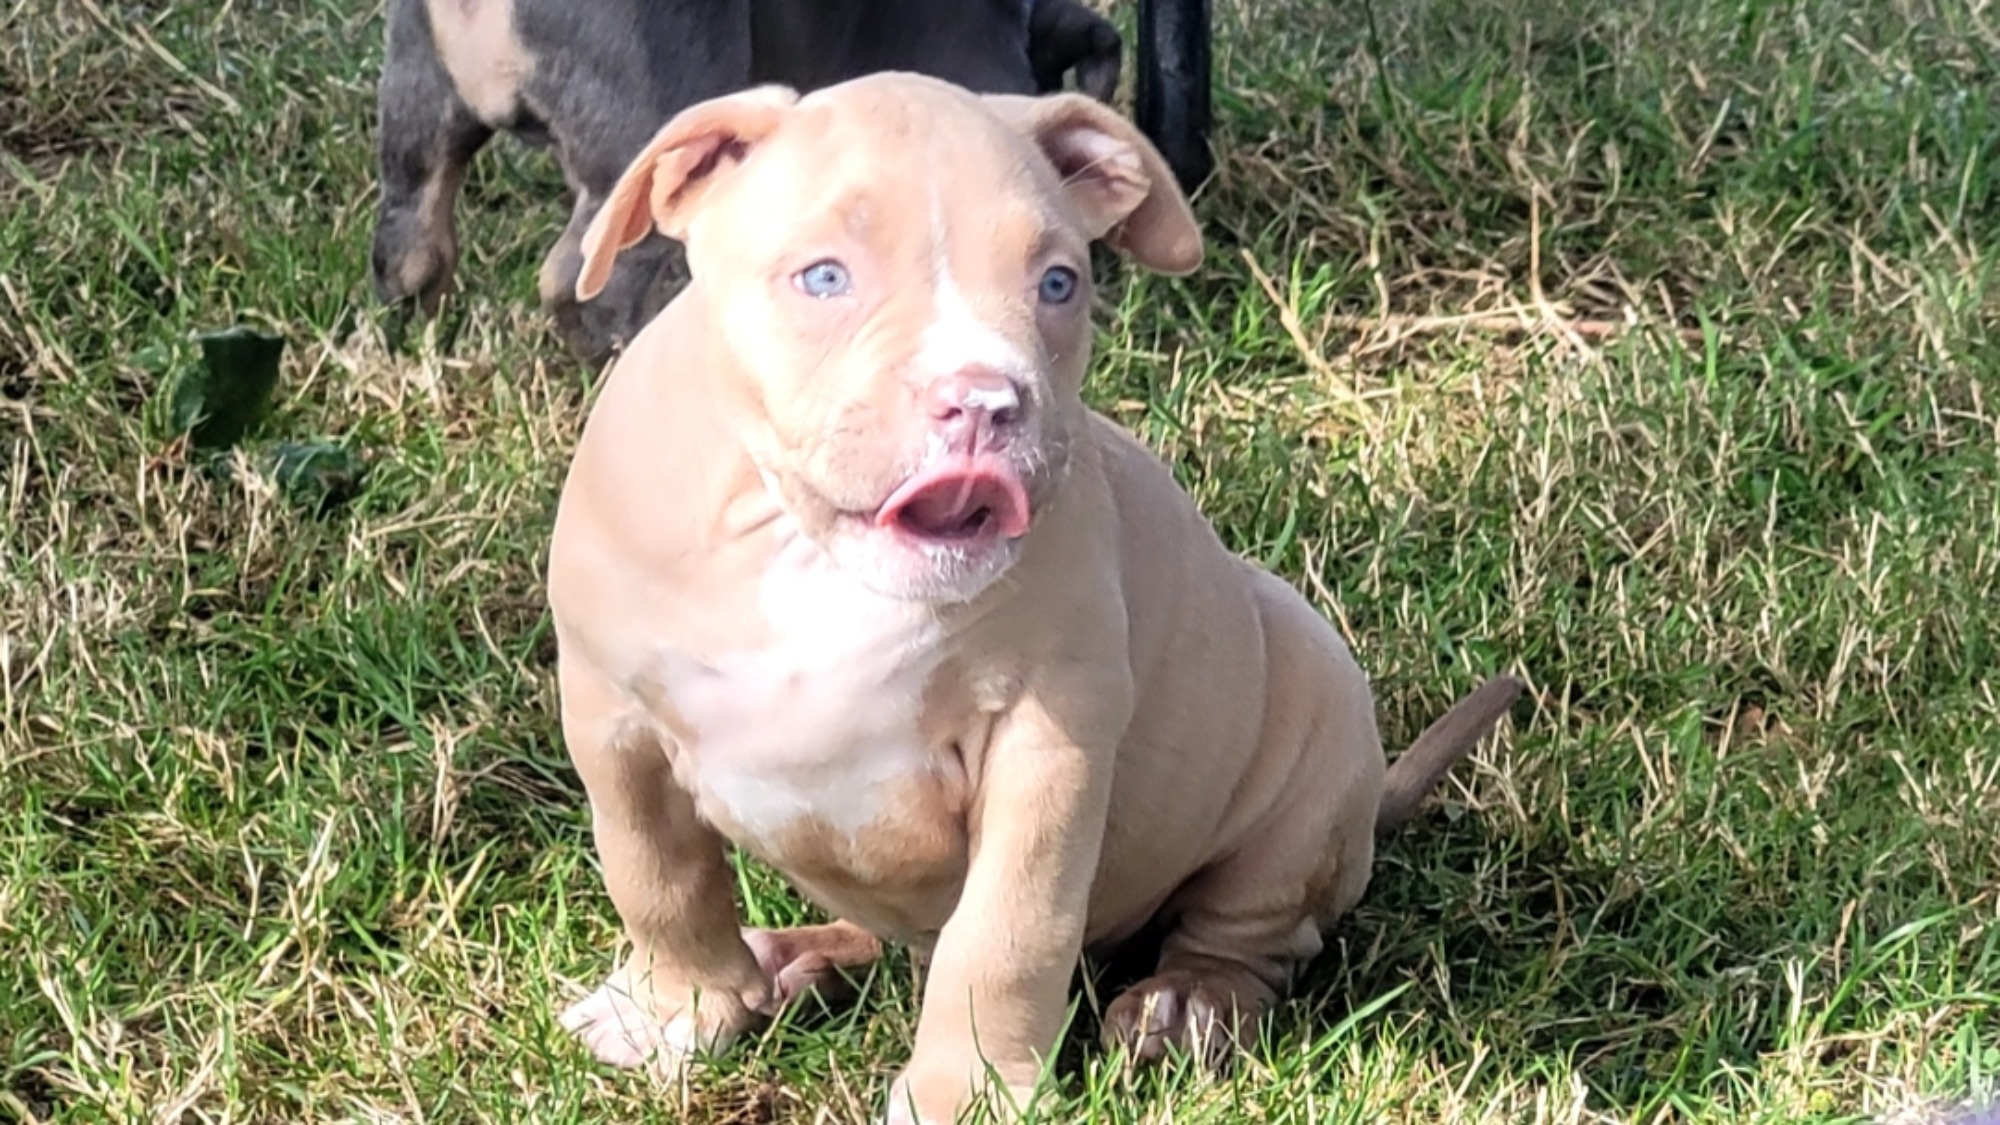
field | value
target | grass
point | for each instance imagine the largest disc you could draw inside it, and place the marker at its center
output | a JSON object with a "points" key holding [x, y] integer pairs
{"points": [[1646, 349]]}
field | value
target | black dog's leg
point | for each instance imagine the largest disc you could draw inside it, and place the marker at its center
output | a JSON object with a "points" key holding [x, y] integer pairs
{"points": [[611, 75], [426, 138], [1063, 35], [1171, 97]]}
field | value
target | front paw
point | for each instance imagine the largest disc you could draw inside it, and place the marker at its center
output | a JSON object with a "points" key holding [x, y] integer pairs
{"points": [[943, 1097], [626, 1023]]}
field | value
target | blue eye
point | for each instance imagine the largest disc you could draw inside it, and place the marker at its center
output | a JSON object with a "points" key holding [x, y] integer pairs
{"points": [[1058, 285], [822, 279]]}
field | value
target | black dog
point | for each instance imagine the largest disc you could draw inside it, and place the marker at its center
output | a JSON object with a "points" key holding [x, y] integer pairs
{"points": [[1170, 96], [595, 79]]}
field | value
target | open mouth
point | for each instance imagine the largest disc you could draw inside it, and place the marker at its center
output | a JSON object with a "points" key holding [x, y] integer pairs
{"points": [[959, 501]]}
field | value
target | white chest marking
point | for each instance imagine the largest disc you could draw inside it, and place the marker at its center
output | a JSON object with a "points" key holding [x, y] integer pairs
{"points": [[823, 721]]}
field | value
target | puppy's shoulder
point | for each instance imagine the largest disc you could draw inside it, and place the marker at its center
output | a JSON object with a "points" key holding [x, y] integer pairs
{"points": [[1143, 490]]}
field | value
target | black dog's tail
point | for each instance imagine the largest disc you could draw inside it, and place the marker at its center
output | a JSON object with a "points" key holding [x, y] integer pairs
{"points": [[1443, 744]]}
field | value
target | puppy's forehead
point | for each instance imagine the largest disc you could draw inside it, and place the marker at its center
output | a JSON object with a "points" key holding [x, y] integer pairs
{"points": [[889, 157], [891, 104]]}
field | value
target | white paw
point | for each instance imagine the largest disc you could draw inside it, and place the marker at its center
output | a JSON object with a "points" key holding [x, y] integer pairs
{"points": [[900, 1111], [946, 1104], [902, 1108], [622, 1032]]}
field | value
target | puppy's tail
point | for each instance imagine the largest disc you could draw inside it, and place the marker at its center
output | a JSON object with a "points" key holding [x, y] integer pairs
{"points": [[1443, 745]]}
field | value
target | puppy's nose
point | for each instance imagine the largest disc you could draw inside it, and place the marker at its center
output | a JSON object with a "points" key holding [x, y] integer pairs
{"points": [[975, 406]]}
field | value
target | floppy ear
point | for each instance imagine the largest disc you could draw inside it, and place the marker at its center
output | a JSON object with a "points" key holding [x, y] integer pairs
{"points": [[1117, 179], [664, 181]]}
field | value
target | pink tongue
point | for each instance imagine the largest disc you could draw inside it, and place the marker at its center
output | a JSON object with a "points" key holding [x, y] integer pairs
{"points": [[948, 501]]}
